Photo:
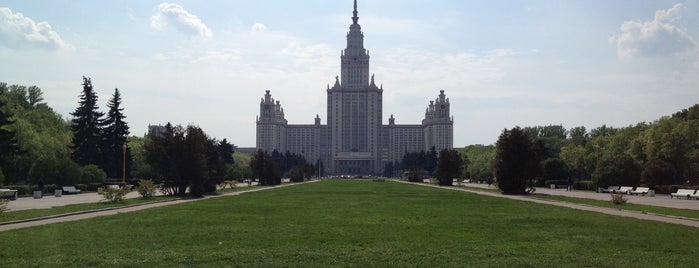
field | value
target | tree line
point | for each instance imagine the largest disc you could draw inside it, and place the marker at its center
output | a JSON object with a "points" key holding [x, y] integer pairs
{"points": [[37, 144], [663, 155]]}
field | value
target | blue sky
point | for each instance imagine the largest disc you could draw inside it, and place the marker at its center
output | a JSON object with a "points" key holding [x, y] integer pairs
{"points": [[501, 63]]}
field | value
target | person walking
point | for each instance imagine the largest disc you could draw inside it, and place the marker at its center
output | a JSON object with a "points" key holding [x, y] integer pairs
{"points": [[40, 185]]}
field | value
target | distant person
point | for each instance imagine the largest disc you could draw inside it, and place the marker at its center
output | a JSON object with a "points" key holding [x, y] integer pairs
{"points": [[40, 185], [570, 185]]}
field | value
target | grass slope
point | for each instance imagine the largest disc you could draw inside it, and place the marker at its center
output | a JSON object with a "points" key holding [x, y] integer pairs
{"points": [[354, 223]]}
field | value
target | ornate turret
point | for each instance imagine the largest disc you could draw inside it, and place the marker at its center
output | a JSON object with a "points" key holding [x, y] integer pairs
{"points": [[438, 110], [271, 110]]}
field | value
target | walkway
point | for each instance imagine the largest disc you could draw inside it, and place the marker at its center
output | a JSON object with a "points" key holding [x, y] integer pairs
{"points": [[610, 211], [106, 212], [659, 200]]}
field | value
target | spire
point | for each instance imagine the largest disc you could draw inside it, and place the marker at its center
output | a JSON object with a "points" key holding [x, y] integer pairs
{"points": [[355, 18]]}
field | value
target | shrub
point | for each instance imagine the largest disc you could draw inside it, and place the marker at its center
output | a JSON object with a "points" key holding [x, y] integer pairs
{"points": [[146, 188], [92, 173], [229, 184], [584, 185], [93, 186], [668, 189], [113, 194], [618, 199], [50, 188], [81, 187], [21, 189], [415, 175], [3, 205], [296, 174]]}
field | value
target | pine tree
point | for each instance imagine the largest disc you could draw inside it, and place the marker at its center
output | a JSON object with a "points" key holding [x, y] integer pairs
{"points": [[8, 138], [449, 165], [116, 130], [87, 128], [516, 161]]}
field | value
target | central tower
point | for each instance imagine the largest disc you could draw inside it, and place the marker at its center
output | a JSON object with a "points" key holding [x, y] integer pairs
{"points": [[355, 59], [355, 110]]}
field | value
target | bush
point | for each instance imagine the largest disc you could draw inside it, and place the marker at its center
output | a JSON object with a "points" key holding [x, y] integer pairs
{"points": [[50, 188], [22, 189], [92, 173], [618, 199], [584, 185], [415, 175], [113, 194], [668, 189], [296, 174], [146, 188], [94, 186], [229, 184], [3, 205], [81, 187]]}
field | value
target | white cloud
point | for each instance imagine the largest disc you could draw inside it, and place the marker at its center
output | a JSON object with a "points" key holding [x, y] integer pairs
{"points": [[662, 36], [258, 27], [18, 31], [181, 19]]}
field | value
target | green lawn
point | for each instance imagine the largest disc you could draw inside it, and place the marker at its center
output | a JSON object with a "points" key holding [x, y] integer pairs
{"points": [[354, 223]]}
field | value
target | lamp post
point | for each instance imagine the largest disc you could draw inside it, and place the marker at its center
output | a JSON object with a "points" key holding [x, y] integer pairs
{"points": [[123, 166]]}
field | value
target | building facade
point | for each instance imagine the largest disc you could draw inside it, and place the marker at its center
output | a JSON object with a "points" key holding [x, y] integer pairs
{"points": [[354, 140]]}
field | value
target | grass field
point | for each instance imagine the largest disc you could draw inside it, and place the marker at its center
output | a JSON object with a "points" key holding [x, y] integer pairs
{"points": [[354, 223]]}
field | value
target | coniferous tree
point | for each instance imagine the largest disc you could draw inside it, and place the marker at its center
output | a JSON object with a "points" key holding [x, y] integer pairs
{"points": [[116, 130], [265, 168], [516, 161], [87, 128], [448, 166]]}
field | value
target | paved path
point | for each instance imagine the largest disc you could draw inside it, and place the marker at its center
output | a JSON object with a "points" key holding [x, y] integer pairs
{"points": [[49, 201], [609, 211], [91, 214], [660, 200]]}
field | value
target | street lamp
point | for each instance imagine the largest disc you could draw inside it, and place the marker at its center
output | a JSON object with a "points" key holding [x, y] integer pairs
{"points": [[123, 166]]}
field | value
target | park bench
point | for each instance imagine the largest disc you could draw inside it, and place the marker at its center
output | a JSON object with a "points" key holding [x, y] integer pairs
{"points": [[640, 190], [624, 190], [695, 195], [685, 193], [610, 189], [8, 194], [70, 190]]}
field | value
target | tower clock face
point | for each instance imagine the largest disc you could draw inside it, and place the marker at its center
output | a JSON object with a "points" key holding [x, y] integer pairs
{"points": [[443, 106]]}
